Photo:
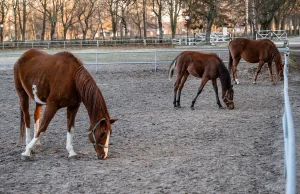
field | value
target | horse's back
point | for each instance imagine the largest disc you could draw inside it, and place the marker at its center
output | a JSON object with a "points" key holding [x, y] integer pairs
{"points": [[42, 75], [251, 50], [198, 63]]}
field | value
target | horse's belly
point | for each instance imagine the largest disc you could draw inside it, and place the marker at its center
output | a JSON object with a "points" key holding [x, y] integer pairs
{"points": [[194, 72], [251, 57]]}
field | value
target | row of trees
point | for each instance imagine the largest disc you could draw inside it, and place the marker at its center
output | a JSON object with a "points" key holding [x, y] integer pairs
{"points": [[44, 19]]}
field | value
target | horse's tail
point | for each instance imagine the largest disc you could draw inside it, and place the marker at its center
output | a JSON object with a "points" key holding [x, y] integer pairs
{"points": [[172, 68], [22, 124]]}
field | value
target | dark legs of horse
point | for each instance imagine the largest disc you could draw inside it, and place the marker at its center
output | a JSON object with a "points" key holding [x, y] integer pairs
{"points": [[214, 82], [203, 82], [71, 114], [47, 117], [260, 64], [179, 85]]}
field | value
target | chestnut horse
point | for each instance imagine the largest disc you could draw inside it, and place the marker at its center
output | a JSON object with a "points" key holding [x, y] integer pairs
{"points": [[59, 81], [254, 51], [205, 66]]}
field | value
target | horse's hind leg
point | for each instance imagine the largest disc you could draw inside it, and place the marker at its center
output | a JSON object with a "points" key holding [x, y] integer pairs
{"points": [[234, 69], [214, 82], [24, 106], [203, 82], [37, 115], [71, 114], [176, 86], [183, 80], [271, 73], [47, 117]]}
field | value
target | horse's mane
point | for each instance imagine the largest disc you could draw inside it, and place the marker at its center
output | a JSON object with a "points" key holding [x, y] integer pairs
{"points": [[89, 93], [276, 57], [224, 74]]}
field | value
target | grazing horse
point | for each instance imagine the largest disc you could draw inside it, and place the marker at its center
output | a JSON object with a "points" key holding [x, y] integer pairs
{"points": [[205, 66], [59, 81], [254, 51]]}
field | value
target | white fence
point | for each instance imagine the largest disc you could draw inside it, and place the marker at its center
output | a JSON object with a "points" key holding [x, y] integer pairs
{"points": [[215, 37], [277, 35], [289, 137]]}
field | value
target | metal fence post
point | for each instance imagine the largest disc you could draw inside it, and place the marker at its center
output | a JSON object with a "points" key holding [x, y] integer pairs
{"points": [[97, 62], [289, 135], [155, 61]]}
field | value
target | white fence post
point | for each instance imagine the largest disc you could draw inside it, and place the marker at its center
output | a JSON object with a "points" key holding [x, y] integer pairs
{"points": [[289, 139]]}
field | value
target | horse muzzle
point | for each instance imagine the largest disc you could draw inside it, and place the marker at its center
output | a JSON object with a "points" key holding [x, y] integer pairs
{"points": [[102, 156]]}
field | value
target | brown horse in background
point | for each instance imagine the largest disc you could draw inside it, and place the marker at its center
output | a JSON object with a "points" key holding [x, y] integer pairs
{"points": [[205, 66], [59, 81], [254, 51]]}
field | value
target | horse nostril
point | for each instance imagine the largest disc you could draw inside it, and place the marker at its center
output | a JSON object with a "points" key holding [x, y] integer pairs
{"points": [[102, 157]]}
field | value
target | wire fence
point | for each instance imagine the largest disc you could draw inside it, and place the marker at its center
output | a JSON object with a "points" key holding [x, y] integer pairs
{"points": [[157, 57]]}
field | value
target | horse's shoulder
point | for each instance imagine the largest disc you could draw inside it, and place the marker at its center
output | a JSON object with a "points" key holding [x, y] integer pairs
{"points": [[67, 56]]}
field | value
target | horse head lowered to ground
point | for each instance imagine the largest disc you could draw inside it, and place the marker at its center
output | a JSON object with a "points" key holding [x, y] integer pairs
{"points": [[254, 51], [205, 66], [59, 81]]}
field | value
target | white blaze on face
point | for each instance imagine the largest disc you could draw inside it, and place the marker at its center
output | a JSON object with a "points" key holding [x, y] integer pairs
{"points": [[106, 145], [36, 98]]}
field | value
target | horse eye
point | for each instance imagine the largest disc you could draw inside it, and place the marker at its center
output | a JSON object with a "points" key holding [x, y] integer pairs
{"points": [[102, 134]]}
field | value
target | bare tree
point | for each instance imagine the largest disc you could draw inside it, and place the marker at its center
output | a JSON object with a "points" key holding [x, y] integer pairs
{"points": [[85, 12], [206, 9], [4, 7], [174, 8], [68, 11], [136, 17], [23, 15], [158, 8]]}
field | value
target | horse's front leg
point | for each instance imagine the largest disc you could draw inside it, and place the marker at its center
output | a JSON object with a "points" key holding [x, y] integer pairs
{"points": [[203, 82], [48, 115], [71, 114], [271, 73], [37, 115], [260, 64], [214, 82]]}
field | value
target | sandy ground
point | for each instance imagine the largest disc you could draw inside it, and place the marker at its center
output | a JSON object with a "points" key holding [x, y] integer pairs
{"points": [[154, 147]]}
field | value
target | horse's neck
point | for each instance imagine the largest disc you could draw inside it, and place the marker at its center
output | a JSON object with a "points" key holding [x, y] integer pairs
{"points": [[96, 109], [225, 81]]}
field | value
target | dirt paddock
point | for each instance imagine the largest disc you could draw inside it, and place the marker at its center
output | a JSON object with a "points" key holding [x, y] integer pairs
{"points": [[154, 147]]}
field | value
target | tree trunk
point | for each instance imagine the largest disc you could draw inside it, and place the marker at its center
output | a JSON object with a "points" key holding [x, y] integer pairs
{"points": [[210, 21], [24, 21], [144, 19]]}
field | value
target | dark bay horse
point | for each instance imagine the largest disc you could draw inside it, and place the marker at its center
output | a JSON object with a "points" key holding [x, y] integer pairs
{"points": [[59, 81], [254, 51], [205, 66]]}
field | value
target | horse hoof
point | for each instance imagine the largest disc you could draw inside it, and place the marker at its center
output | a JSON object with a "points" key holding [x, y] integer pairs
{"points": [[192, 108], [25, 158], [254, 82], [73, 157]]}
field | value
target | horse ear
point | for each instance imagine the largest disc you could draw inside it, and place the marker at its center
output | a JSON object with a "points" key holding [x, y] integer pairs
{"points": [[112, 121]]}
